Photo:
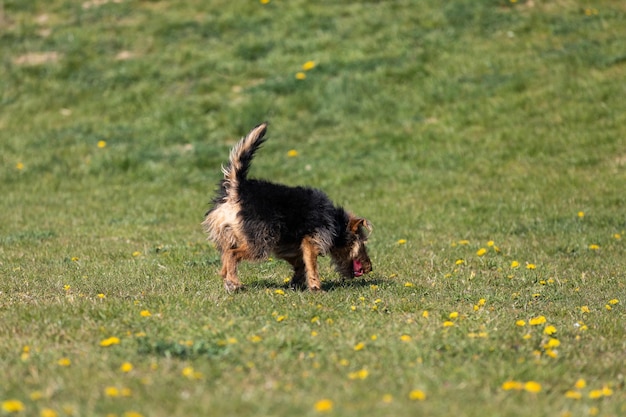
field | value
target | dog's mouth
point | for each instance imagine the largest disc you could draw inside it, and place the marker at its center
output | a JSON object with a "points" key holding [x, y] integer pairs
{"points": [[357, 268]]}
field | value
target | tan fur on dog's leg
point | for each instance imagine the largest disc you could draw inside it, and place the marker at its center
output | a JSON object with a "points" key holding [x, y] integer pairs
{"points": [[309, 256]]}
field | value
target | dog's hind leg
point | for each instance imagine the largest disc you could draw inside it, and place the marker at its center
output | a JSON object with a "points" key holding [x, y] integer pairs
{"points": [[230, 259], [310, 252]]}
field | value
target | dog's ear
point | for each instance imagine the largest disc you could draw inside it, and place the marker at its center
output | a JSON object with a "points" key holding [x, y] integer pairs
{"points": [[357, 224]]}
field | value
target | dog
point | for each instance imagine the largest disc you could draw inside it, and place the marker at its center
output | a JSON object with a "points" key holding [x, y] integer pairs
{"points": [[252, 219]]}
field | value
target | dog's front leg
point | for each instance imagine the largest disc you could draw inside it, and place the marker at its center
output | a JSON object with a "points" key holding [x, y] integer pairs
{"points": [[309, 257]]}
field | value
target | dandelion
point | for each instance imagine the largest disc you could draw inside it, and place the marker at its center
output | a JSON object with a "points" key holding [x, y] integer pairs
{"points": [[359, 346], [405, 338], [549, 330], [136, 254], [111, 392], [19, 166], [307, 66], [459, 262], [454, 315], [491, 243], [280, 318], [520, 323], [425, 314], [535, 321], [126, 392], [300, 76], [481, 251], [361, 374], [102, 144], [594, 246], [573, 395], [617, 236], [67, 287], [101, 296], [12, 406], [595, 394], [614, 301], [417, 395], [464, 242], [552, 343], [255, 338], [323, 406], [36, 395], [401, 241], [110, 341], [126, 367], [292, 153], [531, 266], [532, 386], [279, 292], [47, 412], [387, 398], [580, 383], [585, 309], [581, 214], [64, 362], [408, 284], [448, 324], [145, 313], [512, 386]]}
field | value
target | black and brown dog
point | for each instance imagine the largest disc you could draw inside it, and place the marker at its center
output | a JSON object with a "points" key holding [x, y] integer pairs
{"points": [[252, 219]]}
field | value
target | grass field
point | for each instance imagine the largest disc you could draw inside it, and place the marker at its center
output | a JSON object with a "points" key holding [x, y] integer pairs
{"points": [[484, 139]]}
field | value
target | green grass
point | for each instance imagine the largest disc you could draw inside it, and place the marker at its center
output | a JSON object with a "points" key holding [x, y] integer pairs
{"points": [[446, 124]]}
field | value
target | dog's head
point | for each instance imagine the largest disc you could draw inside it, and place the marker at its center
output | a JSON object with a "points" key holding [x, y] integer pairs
{"points": [[351, 259]]}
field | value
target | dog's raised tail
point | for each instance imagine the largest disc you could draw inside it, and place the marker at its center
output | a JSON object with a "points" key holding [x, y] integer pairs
{"points": [[241, 157]]}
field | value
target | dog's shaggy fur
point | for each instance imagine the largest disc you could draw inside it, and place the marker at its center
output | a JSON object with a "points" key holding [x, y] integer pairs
{"points": [[251, 219]]}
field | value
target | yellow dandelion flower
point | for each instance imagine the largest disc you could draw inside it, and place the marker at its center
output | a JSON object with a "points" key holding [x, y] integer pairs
{"points": [[145, 313], [595, 394], [580, 383], [454, 314], [532, 386], [491, 243], [279, 292], [126, 392], [581, 214], [136, 254], [323, 406], [36, 395], [314, 333], [359, 346], [188, 371], [512, 385], [606, 391], [64, 362], [531, 266], [417, 395], [459, 262], [573, 395], [514, 264], [280, 318], [126, 367], [585, 309], [387, 398], [401, 241], [300, 76], [101, 296], [19, 166], [361, 374], [551, 353], [425, 314], [527, 336], [307, 66], [464, 242], [552, 343], [47, 412], [255, 338], [594, 246], [448, 324], [608, 307], [344, 362], [614, 301], [102, 144], [110, 341], [481, 251], [12, 406], [408, 284], [520, 323], [111, 392], [292, 153], [617, 236], [536, 321], [549, 330], [405, 338]]}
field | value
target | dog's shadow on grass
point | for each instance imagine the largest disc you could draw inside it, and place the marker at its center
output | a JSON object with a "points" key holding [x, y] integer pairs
{"points": [[327, 286]]}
